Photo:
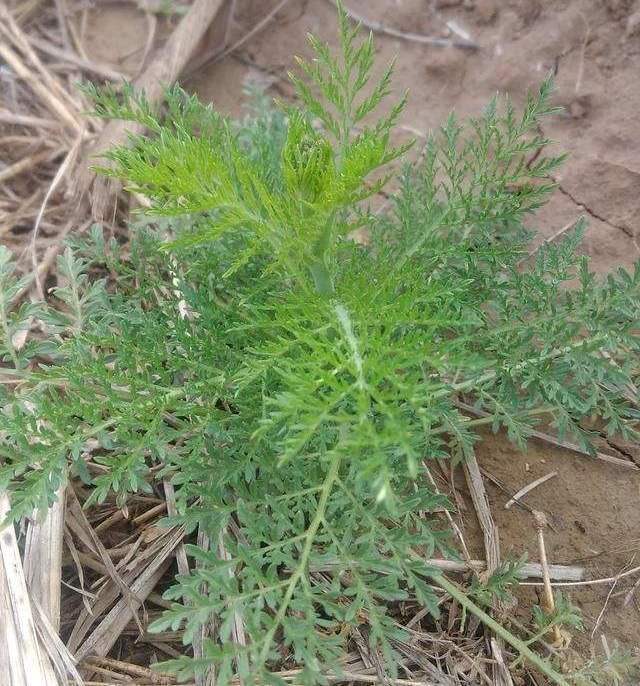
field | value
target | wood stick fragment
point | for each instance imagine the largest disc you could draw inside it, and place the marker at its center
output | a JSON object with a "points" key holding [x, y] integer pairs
{"points": [[43, 559], [109, 521], [151, 513], [501, 675], [172, 511], [103, 637], [209, 629], [68, 161], [14, 33], [237, 630], [82, 523], [377, 27], [481, 505], [528, 488], [130, 669], [530, 570], [29, 162], [61, 11], [99, 69], [62, 660], [292, 676], [22, 661], [549, 603], [7, 117], [36, 85], [452, 523], [589, 582]]}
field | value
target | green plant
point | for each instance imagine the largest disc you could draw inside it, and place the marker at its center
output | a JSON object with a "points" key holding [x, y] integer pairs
{"points": [[497, 586], [616, 668], [293, 384], [564, 615]]}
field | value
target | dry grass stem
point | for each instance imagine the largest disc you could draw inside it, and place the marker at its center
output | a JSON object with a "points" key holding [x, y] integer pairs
{"points": [[43, 559], [142, 582], [377, 27], [528, 488], [548, 604], [480, 501], [22, 659]]}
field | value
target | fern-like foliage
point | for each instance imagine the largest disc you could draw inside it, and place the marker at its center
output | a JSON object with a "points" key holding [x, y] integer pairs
{"points": [[15, 321], [617, 668], [198, 163], [293, 384]]}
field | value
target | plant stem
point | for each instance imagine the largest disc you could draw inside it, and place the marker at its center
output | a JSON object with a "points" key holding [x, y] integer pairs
{"points": [[490, 375], [327, 485], [516, 643], [7, 336], [321, 277], [318, 268]]}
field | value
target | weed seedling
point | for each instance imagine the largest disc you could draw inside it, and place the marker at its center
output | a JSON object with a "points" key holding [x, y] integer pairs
{"points": [[291, 383]]}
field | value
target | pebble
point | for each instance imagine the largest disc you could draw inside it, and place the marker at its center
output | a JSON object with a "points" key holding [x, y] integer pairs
{"points": [[580, 106]]}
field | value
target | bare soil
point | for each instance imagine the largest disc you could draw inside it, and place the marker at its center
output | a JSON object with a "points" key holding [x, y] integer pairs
{"points": [[593, 47]]}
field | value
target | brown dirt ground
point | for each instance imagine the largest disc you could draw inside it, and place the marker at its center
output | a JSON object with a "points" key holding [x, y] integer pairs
{"points": [[593, 46]]}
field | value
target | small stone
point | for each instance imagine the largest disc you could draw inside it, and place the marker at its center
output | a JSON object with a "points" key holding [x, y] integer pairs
{"points": [[579, 107]]}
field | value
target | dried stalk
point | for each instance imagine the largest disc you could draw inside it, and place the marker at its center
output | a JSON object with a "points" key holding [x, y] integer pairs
{"points": [[43, 559], [501, 674], [22, 661]]}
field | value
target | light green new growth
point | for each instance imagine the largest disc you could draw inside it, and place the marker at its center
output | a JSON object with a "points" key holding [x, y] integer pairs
{"points": [[291, 383]]}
